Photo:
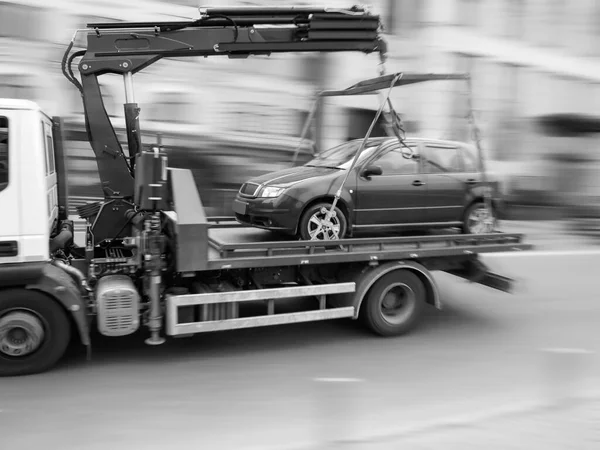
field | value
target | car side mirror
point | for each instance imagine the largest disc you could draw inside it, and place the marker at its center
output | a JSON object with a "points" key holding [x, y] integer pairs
{"points": [[372, 170]]}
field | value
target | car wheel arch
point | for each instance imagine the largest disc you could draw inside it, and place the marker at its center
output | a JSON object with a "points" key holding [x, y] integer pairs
{"points": [[477, 199], [342, 204]]}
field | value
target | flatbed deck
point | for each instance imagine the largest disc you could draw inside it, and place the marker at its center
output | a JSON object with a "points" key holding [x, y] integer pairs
{"points": [[232, 247]]}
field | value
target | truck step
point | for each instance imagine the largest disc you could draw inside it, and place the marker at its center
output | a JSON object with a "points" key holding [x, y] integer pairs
{"points": [[175, 329], [227, 302]]}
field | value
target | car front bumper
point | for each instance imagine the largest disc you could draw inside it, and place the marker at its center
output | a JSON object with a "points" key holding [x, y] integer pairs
{"points": [[277, 214]]}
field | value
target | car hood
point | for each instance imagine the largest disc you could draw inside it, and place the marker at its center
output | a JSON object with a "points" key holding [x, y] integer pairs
{"points": [[293, 175]]}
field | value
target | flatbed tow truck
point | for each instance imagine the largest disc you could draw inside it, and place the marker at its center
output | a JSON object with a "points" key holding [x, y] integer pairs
{"points": [[152, 257]]}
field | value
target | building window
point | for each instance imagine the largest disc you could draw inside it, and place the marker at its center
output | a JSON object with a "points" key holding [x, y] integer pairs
{"points": [[18, 86], [595, 34], [190, 3], [515, 19], [263, 119], [3, 153], [390, 17], [21, 22], [554, 26], [403, 17], [468, 13]]}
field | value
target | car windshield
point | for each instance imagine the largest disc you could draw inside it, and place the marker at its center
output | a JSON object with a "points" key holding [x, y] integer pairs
{"points": [[340, 157]]}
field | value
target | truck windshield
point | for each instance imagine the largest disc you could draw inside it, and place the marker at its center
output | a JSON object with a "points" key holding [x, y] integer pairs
{"points": [[3, 153], [340, 157]]}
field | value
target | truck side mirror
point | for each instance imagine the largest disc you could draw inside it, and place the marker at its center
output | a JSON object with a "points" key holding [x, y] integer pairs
{"points": [[372, 170]]}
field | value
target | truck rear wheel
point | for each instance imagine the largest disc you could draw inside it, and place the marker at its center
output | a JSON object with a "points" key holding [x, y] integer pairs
{"points": [[394, 304], [34, 332]]}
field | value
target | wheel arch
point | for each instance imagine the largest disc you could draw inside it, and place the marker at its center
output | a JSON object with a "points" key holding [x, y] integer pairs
{"points": [[369, 277], [328, 198], [60, 287], [497, 206], [480, 198]]}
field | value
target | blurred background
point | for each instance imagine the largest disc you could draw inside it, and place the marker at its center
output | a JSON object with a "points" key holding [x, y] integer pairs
{"points": [[536, 72], [532, 61]]}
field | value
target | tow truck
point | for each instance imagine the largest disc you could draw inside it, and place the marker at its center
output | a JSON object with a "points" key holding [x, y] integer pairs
{"points": [[152, 258]]}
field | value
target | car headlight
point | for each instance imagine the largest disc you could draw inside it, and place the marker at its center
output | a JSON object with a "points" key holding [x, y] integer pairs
{"points": [[271, 191]]}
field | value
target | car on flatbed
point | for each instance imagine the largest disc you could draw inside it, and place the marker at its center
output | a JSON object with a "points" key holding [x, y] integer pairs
{"points": [[419, 183]]}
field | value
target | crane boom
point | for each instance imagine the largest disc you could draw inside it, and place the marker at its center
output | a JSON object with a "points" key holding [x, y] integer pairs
{"points": [[129, 47]]}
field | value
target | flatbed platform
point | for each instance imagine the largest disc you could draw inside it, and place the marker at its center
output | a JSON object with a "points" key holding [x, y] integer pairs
{"points": [[233, 247]]}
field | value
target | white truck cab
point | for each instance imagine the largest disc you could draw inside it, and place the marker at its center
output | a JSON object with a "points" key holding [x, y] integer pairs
{"points": [[28, 182]]}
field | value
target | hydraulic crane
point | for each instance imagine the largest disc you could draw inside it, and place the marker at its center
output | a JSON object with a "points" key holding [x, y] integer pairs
{"points": [[236, 32]]}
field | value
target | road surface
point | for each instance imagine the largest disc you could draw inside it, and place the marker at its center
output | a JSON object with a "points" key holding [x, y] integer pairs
{"points": [[290, 386]]}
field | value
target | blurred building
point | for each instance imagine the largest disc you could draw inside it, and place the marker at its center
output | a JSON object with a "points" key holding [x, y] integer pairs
{"points": [[527, 57]]}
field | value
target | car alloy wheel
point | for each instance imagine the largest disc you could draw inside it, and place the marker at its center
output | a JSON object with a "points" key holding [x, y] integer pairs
{"points": [[315, 224], [480, 220], [322, 229]]}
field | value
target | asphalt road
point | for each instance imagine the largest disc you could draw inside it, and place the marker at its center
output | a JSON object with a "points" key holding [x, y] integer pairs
{"points": [[261, 389]]}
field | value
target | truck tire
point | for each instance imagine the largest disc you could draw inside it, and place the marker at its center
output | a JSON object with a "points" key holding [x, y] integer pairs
{"points": [[309, 219], [394, 304], [34, 332]]}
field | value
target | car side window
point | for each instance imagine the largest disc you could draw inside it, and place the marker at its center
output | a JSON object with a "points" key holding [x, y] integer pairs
{"points": [[469, 157], [393, 163], [441, 160]]}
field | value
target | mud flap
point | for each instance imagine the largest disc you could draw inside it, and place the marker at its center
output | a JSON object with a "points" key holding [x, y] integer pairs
{"points": [[59, 285], [475, 271]]}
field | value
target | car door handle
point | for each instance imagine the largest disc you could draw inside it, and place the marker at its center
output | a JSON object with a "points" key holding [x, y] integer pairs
{"points": [[472, 181], [418, 183]]}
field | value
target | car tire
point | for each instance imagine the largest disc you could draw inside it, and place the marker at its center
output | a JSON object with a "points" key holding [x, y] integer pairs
{"points": [[35, 311], [308, 224], [407, 290], [474, 225]]}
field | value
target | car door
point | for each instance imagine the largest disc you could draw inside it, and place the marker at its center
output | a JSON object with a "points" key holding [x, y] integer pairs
{"points": [[397, 196], [446, 182]]}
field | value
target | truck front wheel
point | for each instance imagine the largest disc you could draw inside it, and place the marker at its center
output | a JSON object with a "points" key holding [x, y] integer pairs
{"points": [[394, 304], [34, 332]]}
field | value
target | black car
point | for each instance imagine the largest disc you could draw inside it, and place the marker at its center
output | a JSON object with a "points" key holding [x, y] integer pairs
{"points": [[424, 183]]}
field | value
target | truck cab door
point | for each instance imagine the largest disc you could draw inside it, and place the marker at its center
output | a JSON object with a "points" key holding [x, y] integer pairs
{"points": [[10, 231]]}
